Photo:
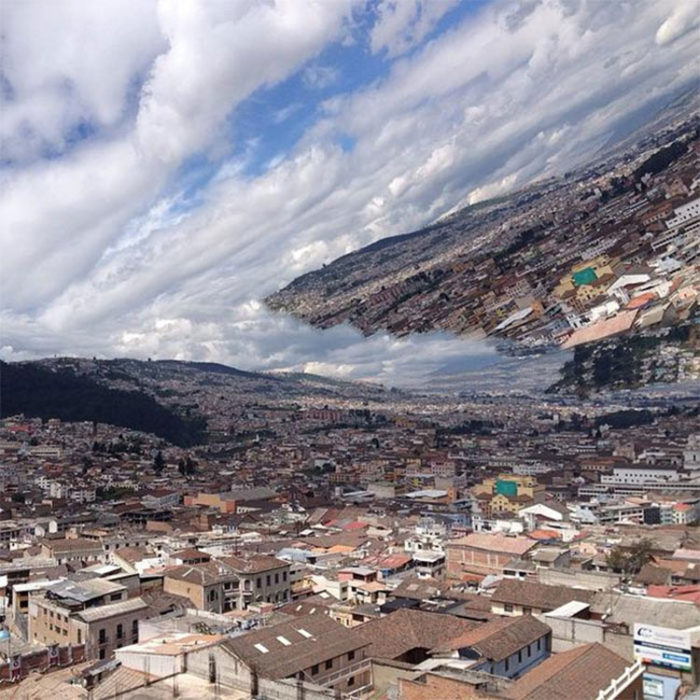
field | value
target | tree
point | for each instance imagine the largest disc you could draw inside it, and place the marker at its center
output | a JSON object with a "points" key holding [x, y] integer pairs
{"points": [[181, 467], [629, 560], [158, 463], [190, 466]]}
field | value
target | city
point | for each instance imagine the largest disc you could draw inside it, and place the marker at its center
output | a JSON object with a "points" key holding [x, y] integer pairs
{"points": [[349, 350]]}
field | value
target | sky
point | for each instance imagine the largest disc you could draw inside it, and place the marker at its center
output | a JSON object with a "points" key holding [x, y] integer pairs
{"points": [[166, 165]]}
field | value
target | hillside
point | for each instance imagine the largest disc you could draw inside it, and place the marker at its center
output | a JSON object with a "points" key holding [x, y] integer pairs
{"points": [[182, 402], [533, 266], [43, 392]]}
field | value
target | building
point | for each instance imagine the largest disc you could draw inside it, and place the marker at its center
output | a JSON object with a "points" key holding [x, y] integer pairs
{"points": [[263, 579], [588, 672], [478, 554], [96, 613], [210, 586], [516, 597], [505, 647], [312, 648]]}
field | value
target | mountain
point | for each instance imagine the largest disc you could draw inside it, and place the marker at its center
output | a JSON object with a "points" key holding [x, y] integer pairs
{"points": [[530, 266], [43, 392], [177, 401]]}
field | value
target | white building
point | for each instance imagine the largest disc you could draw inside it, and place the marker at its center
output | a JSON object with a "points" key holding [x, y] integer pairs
{"points": [[684, 213]]}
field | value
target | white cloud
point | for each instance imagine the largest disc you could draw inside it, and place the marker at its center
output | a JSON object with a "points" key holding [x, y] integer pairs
{"points": [[98, 257], [319, 77], [403, 24]]}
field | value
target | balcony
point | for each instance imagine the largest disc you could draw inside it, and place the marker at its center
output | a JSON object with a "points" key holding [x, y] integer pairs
{"points": [[346, 672]]}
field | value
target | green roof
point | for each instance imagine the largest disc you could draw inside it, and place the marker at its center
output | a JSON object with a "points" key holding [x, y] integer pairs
{"points": [[585, 276]]}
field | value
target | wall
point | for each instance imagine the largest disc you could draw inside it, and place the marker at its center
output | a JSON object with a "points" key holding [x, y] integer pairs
{"points": [[186, 589], [530, 656], [593, 580], [435, 687], [570, 632], [386, 673], [42, 661]]}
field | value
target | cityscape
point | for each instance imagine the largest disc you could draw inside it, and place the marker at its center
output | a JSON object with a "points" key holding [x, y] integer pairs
{"points": [[349, 350]]}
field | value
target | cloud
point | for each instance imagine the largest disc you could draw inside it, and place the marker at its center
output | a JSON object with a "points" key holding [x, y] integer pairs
{"points": [[320, 77], [682, 20], [403, 24], [106, 250]]}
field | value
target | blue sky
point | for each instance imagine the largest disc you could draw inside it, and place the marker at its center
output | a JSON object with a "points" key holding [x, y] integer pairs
{"points": [[165, 166]]}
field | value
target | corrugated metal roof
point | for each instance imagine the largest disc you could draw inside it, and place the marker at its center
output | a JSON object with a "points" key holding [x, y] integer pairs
{"points": [[104, 611]]}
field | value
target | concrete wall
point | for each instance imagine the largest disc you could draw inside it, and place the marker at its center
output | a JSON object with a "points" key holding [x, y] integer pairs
{"points": [[593, 580], [568, 633]]}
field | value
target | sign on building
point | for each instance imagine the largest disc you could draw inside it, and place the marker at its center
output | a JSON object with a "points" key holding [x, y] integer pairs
{"points": [[663, 646]]}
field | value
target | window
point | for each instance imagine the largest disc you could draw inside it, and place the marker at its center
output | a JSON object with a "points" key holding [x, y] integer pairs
{"points": [[539, 643], [80, 636], [314, 669], [258, 582], [351, 680], [267, 580], [115, 596], [120, 631], [507, 664], [135, 628], [329, 664], [351, 655], [102, 636], [520, 656], [102, 653], [284, 576], [526, 610], [277, 578], [508, 607]]}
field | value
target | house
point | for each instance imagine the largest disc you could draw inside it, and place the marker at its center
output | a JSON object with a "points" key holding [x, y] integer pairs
{"points": [[312, 648], [587, 672], [506, 647], [263, 579], [73, 550], [515, 597], [479, 554], [210, 586], [408, 635], [96, 613]]}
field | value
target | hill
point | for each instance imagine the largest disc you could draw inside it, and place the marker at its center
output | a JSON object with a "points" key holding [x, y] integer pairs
{"points": [[44, 392], [181, 402]]}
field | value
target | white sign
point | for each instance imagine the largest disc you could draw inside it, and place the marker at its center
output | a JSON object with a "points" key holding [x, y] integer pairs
{"points": [[663, 656], [665, 636], [664, 646]]}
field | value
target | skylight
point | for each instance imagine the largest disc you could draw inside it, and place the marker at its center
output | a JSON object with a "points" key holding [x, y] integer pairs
{"points": [[261, 648], [284, 640], [304, 633]]}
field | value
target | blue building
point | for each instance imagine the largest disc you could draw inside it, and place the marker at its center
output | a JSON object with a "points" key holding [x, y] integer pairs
{"points": [[507, 647]]}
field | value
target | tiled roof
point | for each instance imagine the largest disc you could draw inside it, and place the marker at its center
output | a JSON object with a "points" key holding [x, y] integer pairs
{"points": [[499, 639], [579, 673], [255, 564], [307, 641], [403, 630], [538, 595], [601, 329], [200, 574], [494, 543]]}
